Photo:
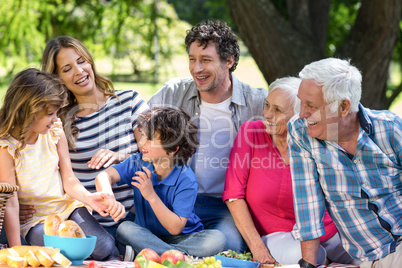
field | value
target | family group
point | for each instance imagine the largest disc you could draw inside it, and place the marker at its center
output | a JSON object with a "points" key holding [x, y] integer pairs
{"points": [[299, 173]]}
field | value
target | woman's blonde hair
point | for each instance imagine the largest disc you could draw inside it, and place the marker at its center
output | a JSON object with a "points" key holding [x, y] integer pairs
{"points": [[29, 95], [67, 114]]}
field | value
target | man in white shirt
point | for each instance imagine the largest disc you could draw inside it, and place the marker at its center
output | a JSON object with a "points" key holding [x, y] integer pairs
{"points": [[219, 103]]}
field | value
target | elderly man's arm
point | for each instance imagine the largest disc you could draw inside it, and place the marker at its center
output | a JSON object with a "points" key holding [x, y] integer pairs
{"points": [[309, 250], [308, 198]]}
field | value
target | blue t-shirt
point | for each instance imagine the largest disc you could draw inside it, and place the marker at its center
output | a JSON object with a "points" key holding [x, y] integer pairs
{"points": [[177, 191]]}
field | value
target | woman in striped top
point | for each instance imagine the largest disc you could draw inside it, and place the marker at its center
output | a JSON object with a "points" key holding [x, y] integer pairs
{"points": [[34, 156], [100, 123]]}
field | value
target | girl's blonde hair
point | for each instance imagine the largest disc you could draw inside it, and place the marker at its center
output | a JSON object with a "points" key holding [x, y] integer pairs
{"points": [[49, 65], [29, 95]]}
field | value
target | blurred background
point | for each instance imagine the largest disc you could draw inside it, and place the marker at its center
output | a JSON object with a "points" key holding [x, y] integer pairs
{"points": [[139, 44]]}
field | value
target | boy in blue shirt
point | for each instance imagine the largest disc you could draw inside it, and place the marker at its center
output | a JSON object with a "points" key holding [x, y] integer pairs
{"points": [[165, 188]]}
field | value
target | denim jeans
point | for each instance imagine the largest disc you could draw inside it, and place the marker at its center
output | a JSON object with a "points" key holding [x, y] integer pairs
{"points": [[112, 230], [3, 238], [201, 244], [214, 214], [105, 244]]}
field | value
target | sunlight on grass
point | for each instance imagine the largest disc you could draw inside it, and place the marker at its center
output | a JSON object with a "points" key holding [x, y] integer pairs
{"points": [[246, 71], [146, 90]]}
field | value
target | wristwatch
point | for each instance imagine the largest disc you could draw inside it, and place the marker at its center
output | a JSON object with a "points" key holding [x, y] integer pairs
{"points": [[305, 264]]}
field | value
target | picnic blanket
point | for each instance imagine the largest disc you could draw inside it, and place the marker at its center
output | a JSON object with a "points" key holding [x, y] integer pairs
{"points": [[129, 264]]}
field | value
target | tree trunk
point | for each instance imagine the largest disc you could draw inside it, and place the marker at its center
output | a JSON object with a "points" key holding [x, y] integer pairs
{"points": [[282, 47], [278, 48], [370, 46]]}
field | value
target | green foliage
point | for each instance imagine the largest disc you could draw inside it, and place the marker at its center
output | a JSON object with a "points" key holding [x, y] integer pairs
{"points": [[341, 18], [195, 11], [145, 31]]}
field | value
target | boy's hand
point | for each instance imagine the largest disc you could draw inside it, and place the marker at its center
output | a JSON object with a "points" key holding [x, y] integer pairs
{"points": [[106, 205], [143, 182], [115, 209]]}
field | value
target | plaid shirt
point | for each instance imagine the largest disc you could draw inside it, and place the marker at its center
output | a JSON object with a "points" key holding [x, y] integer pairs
{"points": [[363, 192]]}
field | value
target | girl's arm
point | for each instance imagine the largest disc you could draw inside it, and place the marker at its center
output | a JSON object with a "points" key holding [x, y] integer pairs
{"points": [[103, 203], [11, 216], [173, 223]]}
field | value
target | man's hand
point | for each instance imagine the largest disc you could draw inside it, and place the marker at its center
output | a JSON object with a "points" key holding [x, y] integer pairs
{"points": [[26, 213]]}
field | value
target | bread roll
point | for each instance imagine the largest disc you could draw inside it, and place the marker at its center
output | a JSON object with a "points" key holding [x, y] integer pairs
{"points": [[15, 261], [23, 249], [31, 258], [61, 259], [51, 225], [44, 258], [7, 251], [70, 228]]}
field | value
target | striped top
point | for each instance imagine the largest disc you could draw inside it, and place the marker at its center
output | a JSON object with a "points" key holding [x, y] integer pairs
{"points": [[363, 191], [112, 127], [38, 176]]}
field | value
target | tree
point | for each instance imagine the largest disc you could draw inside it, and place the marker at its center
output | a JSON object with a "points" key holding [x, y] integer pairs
{"points": [[115, 28], [284, 36]]}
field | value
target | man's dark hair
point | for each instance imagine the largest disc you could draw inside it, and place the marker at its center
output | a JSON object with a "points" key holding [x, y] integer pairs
{"points": [[221, 34], [174, 129]]}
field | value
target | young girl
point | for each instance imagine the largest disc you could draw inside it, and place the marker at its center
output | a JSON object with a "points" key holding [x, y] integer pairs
{"points": [[34, 155]]}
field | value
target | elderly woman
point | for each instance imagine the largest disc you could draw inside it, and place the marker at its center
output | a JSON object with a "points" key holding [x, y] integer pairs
{"points": [[258, 185]]}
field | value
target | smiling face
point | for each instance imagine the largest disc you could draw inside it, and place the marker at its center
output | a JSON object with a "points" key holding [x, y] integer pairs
{"points": [[206, 67], [321, 122], [152, 150], [277, 112], [42, 123], [75, 72]]}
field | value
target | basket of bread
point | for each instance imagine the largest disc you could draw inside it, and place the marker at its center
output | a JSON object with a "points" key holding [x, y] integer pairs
{"points": [[6, 191]]}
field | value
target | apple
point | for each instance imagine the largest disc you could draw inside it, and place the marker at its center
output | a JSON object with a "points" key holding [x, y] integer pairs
{"points": [[149, 255], [172, 255]]}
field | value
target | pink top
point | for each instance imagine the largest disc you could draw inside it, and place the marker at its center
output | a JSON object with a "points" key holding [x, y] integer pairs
{"points": [[257, 174]]}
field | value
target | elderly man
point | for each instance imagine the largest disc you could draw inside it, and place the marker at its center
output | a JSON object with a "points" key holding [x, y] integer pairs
{"points": [[219, 103], [348, 158]]}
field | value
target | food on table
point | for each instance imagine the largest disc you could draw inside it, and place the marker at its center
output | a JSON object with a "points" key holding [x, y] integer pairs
{"points": [[18, 262], [70, 228], [51, 225], [206, 262], [172, 255], [22, 256], [55, 226], [61, 259], [32, 259]]}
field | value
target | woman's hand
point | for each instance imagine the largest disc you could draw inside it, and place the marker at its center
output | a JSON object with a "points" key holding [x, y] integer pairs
{"points": [[26, 213], [105, 158], [263, 255], [143, 182]]}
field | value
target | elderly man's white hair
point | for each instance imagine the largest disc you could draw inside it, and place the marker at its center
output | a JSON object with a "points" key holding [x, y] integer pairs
{"points": [[339, 80], [289, 85]]}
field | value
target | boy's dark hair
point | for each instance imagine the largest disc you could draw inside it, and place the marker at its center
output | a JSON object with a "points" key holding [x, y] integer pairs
{"points": [[221, 34], [174, 129]]}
